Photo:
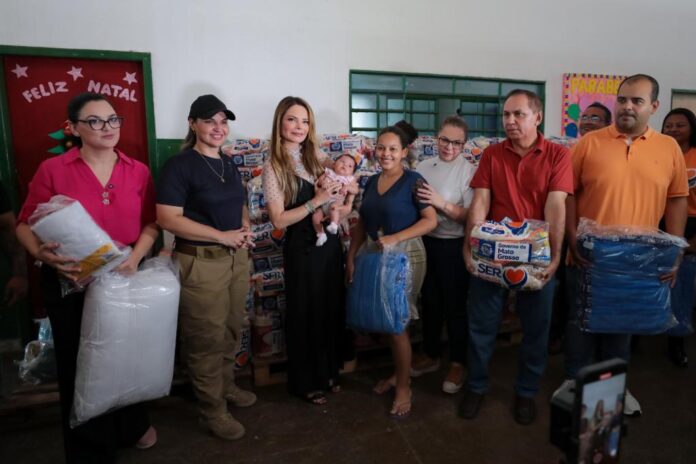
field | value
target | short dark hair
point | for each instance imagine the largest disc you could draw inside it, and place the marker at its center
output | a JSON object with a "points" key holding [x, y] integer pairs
{"points": [[355, 163], [643, 77], [607, 112], [532, 98], [402, 129], [689, 115]]}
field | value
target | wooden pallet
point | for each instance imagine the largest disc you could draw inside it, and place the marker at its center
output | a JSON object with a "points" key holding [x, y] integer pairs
{"points": [[268, 370], [30, 397]]}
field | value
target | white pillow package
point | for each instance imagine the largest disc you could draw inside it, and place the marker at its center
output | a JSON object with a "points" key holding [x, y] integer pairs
{"points": [[127, 340], [65, 221]]}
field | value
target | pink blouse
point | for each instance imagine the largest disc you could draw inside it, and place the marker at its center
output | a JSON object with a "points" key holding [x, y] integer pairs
{"points": [[122, 208]]}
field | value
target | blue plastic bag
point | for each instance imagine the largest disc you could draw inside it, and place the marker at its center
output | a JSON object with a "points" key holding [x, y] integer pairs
{"points": [[621, 291], [378, 296], [683, 298]]}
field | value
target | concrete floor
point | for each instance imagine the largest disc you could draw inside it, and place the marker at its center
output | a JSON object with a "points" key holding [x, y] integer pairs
{"points": [[354, 427]]}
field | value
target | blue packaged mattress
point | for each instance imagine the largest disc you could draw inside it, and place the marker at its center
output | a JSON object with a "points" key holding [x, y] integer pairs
{"points": [[378, 296]]}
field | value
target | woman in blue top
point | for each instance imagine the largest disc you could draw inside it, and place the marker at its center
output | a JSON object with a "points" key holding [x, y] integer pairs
{"points": [[391, 215]]}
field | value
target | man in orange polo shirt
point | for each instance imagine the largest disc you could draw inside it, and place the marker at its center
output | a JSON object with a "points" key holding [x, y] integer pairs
{"points": [[627, 174], [524, 177]]}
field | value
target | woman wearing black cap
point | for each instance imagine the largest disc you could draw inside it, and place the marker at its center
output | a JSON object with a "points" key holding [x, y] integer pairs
{"points": [[201, 200]]}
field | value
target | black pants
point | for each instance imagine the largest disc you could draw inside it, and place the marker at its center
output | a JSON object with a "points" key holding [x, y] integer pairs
{"points": [[443, 296], [97, 440]]}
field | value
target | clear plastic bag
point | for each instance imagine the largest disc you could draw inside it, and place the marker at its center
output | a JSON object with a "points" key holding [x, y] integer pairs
{"points": [[39, 363], [682, 295], [378, 296], [512, 254], [63, 220], [620, 290], [127, 339]]}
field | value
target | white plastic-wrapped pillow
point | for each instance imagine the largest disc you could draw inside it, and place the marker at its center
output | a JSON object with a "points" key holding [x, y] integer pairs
{"points": [[65, 221], [127, 340]]}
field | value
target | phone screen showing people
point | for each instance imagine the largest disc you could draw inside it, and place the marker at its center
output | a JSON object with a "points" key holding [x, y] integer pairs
{"points": [[601, 415]]}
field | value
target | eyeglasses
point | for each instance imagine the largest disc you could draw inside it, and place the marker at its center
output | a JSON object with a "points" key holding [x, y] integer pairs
{"points": [[444, 141], [98, 124], [585, 118]]}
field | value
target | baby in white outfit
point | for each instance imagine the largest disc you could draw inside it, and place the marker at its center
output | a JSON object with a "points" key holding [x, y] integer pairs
{"points": [[343, 170]]}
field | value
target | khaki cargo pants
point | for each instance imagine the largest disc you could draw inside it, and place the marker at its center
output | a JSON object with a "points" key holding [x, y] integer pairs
{"points": [[214, 286]]}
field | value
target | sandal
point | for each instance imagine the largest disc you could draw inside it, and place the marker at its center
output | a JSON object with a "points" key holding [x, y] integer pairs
{"points": [[148, 440], [401, 410], [316, 398], [384, 385]]}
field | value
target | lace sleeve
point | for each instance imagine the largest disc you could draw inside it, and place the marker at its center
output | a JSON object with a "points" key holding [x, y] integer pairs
{"points": [[324, 159], [271, 189]]}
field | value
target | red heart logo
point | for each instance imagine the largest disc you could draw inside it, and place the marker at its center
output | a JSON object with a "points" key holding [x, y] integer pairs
{"points": [[515, 277]]}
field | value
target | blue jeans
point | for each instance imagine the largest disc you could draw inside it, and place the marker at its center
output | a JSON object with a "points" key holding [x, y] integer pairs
{"points": [[583, 348], [485, 312]]}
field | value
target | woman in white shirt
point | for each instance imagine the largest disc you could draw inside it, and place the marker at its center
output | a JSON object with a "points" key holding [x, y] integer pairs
{"points": [[446, 281]]}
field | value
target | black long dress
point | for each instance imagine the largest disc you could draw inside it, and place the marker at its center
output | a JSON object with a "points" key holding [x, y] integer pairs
{"points": [[315, 302]]}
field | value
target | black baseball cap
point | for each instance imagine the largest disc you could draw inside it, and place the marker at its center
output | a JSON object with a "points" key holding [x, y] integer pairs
{"points": [[207, 106]]}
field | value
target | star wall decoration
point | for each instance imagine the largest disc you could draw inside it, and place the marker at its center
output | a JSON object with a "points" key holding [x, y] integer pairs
{"points": [[20, 71], [76, 73], [130, 78]]}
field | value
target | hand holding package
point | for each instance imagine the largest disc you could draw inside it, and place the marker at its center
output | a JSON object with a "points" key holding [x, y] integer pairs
{"points": [[513, 254], [64, 221]]}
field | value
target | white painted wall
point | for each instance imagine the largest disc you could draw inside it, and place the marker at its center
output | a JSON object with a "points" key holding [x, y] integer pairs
{"points": [[251, 53]]}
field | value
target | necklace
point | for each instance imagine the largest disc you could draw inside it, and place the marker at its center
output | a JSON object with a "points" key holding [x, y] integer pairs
{"points": [[221, 176]]}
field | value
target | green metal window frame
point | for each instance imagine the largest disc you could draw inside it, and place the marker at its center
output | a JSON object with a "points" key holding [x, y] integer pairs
{"points": [[407, 97], [679, 91], [7, 167]]}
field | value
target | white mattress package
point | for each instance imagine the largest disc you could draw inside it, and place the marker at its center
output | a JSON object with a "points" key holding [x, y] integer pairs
{"points": [[63, 220], [127, 339]]}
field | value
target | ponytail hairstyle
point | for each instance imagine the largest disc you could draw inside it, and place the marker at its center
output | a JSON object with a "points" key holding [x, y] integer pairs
{"points": [[281, 162]]}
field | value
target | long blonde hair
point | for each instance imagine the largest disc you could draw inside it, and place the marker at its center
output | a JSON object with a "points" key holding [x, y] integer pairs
{"points": [[281, 161]]}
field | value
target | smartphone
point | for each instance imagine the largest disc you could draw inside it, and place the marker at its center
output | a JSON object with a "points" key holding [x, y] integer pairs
{"points": [[598, 411]]}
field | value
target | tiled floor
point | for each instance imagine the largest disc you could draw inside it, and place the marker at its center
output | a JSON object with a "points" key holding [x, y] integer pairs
{"points": [[354, 427]]}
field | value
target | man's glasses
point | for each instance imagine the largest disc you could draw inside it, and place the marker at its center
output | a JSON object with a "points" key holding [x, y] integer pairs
{"points": [[98, 124], [585, 118], [444, 141]]}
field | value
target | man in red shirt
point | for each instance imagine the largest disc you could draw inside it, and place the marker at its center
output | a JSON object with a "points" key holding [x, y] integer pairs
{"points": [[524, 177]]}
